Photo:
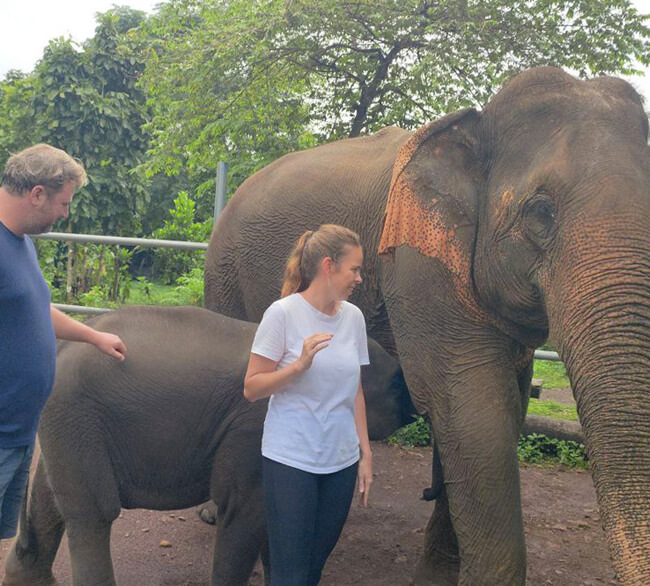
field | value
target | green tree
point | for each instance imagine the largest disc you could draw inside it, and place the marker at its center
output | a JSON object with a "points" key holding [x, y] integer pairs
{"points": [[209, 103], [249, 80], [85, 100]]}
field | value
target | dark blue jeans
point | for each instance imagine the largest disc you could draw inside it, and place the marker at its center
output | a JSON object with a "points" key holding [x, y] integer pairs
{"points": [[305, 514]]}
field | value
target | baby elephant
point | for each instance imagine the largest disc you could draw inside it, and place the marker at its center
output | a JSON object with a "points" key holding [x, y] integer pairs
{"points": [[168, 428]]}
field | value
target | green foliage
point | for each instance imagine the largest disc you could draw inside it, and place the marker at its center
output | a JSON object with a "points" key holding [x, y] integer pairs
{"points": [[190, 287], [539, 449], [554, 374], [532, 449], [144, 292], [85, 101], [99, 274], [253, 79], [552, 409], [246, 81], [201, 70], [412, 435], [168, 263], [52, 257]]}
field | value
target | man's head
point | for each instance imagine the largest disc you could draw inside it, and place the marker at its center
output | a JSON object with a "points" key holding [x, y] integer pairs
{"points": [[44, 178]]}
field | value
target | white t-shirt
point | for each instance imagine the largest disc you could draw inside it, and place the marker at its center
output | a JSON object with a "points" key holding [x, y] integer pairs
{"points": [[310, 422]]}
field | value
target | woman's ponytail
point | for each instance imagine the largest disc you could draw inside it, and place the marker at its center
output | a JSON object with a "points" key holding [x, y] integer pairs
{"points": [[293, 277]]}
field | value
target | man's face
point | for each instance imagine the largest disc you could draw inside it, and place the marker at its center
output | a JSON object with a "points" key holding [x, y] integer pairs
{"points": [[49, 208]]}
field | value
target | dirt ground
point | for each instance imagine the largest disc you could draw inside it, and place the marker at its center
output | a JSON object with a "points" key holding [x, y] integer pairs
{"points": [[562, 395], [380, 545]]}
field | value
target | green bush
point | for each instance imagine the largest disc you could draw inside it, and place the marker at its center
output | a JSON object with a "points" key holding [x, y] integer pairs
{"points": [[169, 264], [100, 274], [415, 434], [540, 449], [52, 257], [190, 287]]}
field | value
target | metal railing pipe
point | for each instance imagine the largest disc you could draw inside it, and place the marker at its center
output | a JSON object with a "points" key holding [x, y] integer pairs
{"points": [[120, 241], [81, 309], [547, 355]]}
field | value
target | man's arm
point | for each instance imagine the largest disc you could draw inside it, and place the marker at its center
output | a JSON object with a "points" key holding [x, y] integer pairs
{"points": [[67, 328]]}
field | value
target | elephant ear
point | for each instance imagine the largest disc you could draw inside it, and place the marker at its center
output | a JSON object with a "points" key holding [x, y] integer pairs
{"points": [[432, 202]]}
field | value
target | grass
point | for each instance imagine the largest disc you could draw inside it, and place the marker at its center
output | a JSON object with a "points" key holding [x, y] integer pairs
{"points": [[156, 294], [552, 409], [552, 373], [143, 293]]}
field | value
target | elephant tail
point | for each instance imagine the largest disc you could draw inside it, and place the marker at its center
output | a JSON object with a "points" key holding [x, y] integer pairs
{"points": [[437, 479]]}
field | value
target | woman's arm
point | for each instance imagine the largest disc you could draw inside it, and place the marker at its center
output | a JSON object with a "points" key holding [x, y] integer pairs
{"points": [[365, 463], [262, 379]]}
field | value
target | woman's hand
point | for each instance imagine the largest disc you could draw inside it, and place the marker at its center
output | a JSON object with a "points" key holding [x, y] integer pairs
{"points": [[365, 478], [310, 347]]}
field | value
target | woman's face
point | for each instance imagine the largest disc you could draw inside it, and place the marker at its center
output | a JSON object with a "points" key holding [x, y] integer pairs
{"points": [[345, 275]]}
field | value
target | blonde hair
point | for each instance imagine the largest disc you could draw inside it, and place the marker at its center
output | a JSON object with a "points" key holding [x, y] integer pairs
{"points": [[42, 164], [311, 248]]}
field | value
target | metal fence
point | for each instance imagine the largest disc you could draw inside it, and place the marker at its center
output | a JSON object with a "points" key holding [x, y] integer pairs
{"points": [[181, 245], [141, 242]]}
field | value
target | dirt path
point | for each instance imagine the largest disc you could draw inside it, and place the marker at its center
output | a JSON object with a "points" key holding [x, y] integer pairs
{"points": [[379, 547], [562, 395]]}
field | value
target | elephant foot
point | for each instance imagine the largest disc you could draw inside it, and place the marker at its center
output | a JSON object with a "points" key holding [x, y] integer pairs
{"points": [[440, 562], [208, 512], [436, 571], [18, 575]]}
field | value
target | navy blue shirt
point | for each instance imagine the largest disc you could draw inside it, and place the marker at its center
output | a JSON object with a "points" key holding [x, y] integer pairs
{"points": [[27, 342]]}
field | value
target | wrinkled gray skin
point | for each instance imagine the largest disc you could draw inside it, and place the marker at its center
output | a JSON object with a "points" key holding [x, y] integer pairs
{"points": [[538, 212], [168, 428]]}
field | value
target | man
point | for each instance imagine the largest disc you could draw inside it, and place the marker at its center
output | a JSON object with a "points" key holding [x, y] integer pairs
{"points": [[36, 189]]}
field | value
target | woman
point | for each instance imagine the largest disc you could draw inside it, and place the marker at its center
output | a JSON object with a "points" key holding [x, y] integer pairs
{"points": [[306, 356]]}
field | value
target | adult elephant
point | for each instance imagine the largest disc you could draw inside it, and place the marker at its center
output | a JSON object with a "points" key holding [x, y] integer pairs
{"points": [[528, 219]]}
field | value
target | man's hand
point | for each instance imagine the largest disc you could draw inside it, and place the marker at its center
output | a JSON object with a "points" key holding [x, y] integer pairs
{"points": [[110, 344], [67, 328]]}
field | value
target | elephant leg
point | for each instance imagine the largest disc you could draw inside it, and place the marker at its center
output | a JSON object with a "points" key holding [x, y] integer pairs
{"points": [[88, 498], [29, 562], [236, 488], [90, 552], [477, 428], [240, 540], [463, 371], [440, 562]]}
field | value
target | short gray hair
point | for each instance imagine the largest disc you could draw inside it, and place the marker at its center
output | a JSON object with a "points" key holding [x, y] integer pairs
{"points": [[42, 164]]}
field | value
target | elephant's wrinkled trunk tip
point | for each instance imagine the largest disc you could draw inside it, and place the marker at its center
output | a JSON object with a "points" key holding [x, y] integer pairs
{"points": [[611, 383]]}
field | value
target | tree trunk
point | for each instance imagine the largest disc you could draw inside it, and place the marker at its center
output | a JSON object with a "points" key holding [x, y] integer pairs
{"points": [[555, 428]]}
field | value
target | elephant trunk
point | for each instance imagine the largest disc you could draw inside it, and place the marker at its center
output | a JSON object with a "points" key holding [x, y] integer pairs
{"points": [[601, 327]]}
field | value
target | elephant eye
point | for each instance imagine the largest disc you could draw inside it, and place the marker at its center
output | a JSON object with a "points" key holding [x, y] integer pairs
{"points": [[539, 215]]}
